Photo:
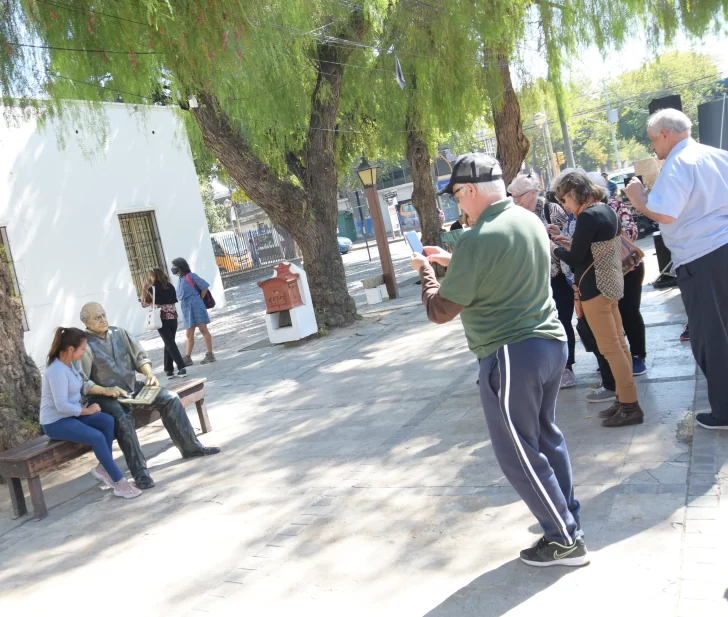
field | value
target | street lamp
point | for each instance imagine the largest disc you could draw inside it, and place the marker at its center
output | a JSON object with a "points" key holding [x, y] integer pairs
{"points": [[368, 175]]}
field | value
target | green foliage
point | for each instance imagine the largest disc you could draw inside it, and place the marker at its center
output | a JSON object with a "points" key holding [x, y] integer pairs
{"points": [[694, 76], [214, 213]]}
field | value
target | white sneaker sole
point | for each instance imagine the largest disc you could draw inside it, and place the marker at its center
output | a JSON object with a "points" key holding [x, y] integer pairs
{"points": [[712, 428], [101, 478], [571, 562], [609, 399], [118, 493]]}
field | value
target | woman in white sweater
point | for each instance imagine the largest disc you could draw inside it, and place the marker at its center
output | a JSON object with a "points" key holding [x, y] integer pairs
{"points": [[63, 417]]}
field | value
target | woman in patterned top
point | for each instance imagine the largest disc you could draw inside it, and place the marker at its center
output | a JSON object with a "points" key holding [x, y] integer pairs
{"points": [[629, 305], [594, 255], [166, 299], [524, 190]]}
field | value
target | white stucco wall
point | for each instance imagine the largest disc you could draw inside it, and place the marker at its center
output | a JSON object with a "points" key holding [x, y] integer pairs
{"points": [[61, 212]]}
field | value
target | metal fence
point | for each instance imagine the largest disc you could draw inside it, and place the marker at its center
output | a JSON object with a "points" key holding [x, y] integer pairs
{"points": [[236, 252]]}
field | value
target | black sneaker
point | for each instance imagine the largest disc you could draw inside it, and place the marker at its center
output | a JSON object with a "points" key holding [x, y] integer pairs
{"points": [[169, 375], [144, 482], [547, 553], [709, 421], [182, 372]]}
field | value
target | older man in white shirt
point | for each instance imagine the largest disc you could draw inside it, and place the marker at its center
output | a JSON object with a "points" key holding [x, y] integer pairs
{"points": [[690, 201]]}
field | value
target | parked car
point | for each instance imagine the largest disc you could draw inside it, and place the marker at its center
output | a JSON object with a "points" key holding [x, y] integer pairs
{"points": [[344, 245], [231, 252], [621, 175]]}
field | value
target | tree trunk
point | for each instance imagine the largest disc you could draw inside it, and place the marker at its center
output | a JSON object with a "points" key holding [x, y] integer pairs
{"points": [[512, 143], [19, 377], [424, 198], [309, 214]]}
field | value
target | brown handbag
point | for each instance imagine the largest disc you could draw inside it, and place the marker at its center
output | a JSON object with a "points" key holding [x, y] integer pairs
{"points": [[630, 254]]}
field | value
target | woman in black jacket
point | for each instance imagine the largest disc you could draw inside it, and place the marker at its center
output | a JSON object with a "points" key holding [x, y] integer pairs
{"points": [[594, 255], [166, 298]]}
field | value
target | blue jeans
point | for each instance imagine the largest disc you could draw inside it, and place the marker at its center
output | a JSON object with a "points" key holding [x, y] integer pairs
{"points": [[96, 430]]}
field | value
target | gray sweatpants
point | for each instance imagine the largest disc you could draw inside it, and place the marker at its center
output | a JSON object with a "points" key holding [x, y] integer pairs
{"points": [[519, 385], [704, 287]]}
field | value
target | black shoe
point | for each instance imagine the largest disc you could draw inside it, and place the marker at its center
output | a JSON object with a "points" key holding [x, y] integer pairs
{"points": [[170, 375], [709, 421], [204, 452], [144, 482], [182, 372], [547, 553]]}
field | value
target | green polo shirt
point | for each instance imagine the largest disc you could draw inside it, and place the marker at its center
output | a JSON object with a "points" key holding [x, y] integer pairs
{"points": [[500, 272]]}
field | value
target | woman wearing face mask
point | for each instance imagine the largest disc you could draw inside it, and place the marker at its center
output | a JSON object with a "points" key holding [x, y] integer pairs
{"points": [[165, 298], [191, 289], [63, 417]]}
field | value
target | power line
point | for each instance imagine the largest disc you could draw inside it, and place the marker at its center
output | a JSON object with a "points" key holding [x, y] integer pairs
{"points": [[73, 9], [88, 51], [90, 83]]}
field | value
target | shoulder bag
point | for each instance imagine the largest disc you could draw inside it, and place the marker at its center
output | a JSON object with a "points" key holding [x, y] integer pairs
{"points": [[207, 299], [630, 255], [154, 316]]}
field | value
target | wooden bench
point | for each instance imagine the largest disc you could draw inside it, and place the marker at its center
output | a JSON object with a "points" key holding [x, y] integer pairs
{"points": [[39, 455]]}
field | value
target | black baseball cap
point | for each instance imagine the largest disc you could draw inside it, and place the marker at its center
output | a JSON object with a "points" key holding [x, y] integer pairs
{"points": [[472, 168]]}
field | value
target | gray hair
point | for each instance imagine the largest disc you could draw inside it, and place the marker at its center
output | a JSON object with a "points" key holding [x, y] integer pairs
{"points": [[84, 315], [577, 180], [495, 189], [670, 120], [524, 182]]}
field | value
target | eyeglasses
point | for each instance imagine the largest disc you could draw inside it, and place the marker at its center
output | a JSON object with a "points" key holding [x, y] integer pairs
{"points": [[524, 193], [456, 191]]}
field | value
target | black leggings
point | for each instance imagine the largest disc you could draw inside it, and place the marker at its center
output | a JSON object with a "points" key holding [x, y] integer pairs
{"points": [[632, 322], [171, 351], [564, 299]]}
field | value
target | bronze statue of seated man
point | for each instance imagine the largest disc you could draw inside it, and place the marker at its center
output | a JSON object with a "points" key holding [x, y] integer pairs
{"points": [[109, 369]]}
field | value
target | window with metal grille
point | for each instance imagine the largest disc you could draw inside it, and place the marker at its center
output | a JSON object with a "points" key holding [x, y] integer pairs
{"points": [[143, 246], [7, 256]]}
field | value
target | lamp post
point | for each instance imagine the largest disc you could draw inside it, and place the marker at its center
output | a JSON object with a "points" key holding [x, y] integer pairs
{"points": [[368, 176]]}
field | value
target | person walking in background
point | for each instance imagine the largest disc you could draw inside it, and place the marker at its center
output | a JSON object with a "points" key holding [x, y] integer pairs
{"points": [[458, 224], [191, 289], [63, 417], [690, 201], [594, 255], [498, 282], [611, 186], [166, 299], [524, 190]]}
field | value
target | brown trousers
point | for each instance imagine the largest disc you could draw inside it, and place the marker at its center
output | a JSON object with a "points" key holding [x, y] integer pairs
{"points": [[605, 322]]}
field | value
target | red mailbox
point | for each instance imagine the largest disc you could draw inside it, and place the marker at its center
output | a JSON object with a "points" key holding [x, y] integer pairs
{"points": [[281, 292]]}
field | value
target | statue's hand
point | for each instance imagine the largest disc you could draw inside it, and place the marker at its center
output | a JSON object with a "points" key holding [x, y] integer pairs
{"points": [[152, 380], [115, 392]]}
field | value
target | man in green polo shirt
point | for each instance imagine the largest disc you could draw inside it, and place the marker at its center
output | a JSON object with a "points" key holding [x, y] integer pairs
{"points": [[498, 280]]}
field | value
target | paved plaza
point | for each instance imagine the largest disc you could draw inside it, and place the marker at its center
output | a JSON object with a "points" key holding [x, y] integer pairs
{"points": [[358, 479]]}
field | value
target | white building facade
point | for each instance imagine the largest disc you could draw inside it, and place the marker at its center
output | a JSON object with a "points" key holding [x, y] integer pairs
{"points": [[82, 226]]}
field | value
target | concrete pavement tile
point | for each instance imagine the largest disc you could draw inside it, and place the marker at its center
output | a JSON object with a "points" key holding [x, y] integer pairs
{"points": [[224, 589], [702, 608], [703, 514], [703, 555], [703, 501], [711, 528], [703, 572]]}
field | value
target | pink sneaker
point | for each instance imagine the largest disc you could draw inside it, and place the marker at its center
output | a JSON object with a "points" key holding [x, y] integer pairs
{"points": [[100, 474], [123, 489]]}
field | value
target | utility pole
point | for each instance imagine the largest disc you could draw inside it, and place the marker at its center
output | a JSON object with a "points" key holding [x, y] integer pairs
{"points": [[567, 139], [611, 120], [550, 150]]}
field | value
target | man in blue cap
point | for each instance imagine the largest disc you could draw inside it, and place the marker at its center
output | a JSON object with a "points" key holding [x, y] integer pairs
{"points": [[498, 281]]}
